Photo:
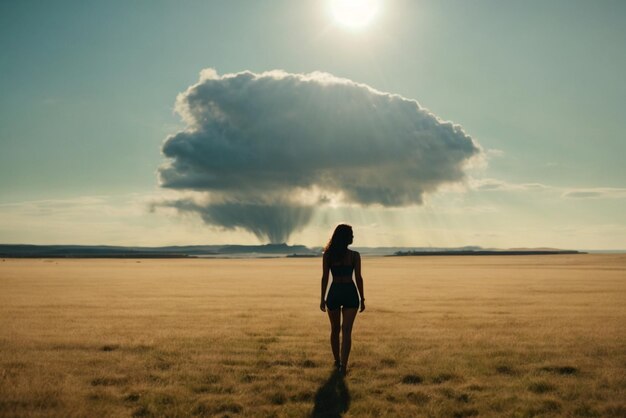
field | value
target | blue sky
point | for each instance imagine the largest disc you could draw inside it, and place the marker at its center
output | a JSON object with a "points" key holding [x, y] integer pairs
{"points": [[88, 91]]}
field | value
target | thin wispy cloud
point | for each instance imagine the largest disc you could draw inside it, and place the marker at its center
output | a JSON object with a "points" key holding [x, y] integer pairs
{"points": [[492, 153], [596, 193], [495, 185], [122, 219], [489, 184]]}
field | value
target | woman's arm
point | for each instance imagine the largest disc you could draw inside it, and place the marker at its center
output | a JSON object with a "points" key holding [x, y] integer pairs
{"points": [[359, 278], [325, 270]]}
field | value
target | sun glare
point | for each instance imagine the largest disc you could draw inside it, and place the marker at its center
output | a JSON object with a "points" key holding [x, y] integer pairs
{"points": [[354, 13]]}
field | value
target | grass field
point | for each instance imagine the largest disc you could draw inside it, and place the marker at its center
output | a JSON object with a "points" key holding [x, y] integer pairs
{"points": [[498, 336]]}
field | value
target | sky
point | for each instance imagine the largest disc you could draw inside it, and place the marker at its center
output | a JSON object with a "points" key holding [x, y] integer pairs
{"points": [[499, 124]]}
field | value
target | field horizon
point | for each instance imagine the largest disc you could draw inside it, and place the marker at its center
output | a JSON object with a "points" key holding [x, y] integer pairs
{"points": [[256, 251], [514, 336]]}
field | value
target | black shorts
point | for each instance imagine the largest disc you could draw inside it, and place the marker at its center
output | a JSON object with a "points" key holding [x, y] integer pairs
{"points": [[342, 294]]}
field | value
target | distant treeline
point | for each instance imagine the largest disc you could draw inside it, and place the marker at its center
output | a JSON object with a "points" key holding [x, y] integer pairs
{"points": [[107, 251], [486, 252], [280, 250]]}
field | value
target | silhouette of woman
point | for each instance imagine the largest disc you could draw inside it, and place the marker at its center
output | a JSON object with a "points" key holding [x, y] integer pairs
{"points": [[343, 299]]}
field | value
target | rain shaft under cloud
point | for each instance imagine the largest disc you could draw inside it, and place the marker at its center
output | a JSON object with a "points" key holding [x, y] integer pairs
{"points": [[264, 149]]}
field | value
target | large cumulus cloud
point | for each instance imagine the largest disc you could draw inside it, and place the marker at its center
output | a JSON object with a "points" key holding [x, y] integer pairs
{"points": [[261, 145]]}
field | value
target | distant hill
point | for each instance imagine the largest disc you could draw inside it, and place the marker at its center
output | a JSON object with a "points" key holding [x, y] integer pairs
{"points": [[488, 252], [95, 251], [394, 250], [266, 250], [107, 251]]}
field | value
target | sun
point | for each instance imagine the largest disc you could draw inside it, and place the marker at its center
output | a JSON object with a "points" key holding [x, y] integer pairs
{"points": [[354, 13]]}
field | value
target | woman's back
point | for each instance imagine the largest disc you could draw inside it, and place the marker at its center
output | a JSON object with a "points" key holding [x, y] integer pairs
{"points": [[344, 267]]}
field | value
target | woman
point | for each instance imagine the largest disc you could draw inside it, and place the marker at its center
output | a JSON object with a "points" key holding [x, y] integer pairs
{"points": [[343, 299]]}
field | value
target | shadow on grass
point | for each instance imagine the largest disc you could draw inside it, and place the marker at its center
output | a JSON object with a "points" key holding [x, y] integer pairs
{"points": [[332, 398]]}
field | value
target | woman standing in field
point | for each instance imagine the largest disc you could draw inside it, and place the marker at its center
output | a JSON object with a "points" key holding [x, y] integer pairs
{"points": [[343, 299]]}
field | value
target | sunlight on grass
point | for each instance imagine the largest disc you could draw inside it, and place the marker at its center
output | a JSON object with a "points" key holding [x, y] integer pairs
{"points": [[441, 336]]}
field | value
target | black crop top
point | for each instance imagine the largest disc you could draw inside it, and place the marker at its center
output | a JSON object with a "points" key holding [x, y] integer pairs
{"points": [[341, 271]]}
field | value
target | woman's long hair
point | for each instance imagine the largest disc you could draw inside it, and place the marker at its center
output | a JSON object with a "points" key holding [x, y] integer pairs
{"points": [[337, 247]]}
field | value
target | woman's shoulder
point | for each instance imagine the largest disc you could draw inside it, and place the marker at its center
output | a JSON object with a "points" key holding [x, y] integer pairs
{"points": [[354, 254]]}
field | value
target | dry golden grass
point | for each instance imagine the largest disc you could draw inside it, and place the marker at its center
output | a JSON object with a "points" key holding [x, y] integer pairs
{"points": [[442, 336]]}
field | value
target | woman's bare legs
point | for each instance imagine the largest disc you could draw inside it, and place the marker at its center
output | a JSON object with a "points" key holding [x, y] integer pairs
{"points": [[349, 314], [335, 327]]}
